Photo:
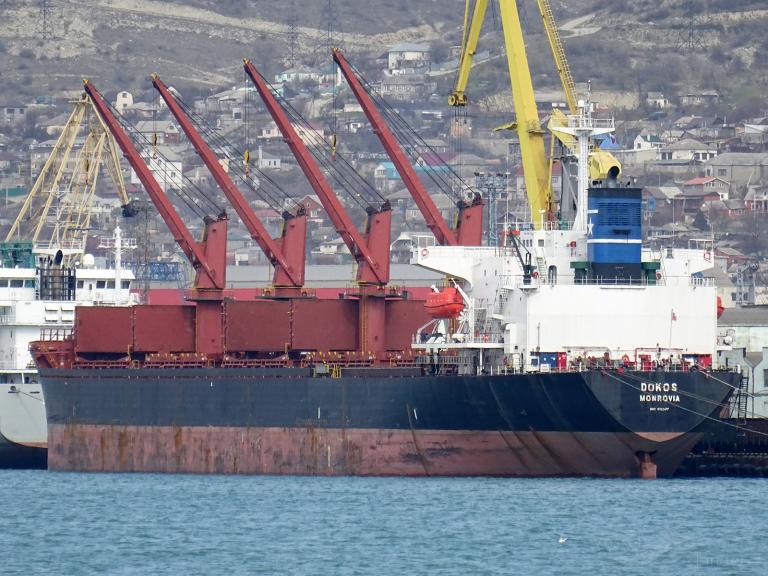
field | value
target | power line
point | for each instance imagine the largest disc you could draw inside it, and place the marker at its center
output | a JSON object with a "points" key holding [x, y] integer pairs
{"points": [[293, 36], [689, 39], [45, 20]]}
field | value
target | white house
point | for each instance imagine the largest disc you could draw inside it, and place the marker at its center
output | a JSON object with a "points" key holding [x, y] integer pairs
{"points": [[656, 100], [166, 166], [408, 57], [298, 74], [269, 131], [123, 101], [267, 160], [647, 142], [688, 149]]}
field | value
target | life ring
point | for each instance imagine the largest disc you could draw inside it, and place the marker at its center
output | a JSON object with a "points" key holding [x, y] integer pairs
{"points": [[658, 275], [535, 275], [707, 255], [424, 252]]}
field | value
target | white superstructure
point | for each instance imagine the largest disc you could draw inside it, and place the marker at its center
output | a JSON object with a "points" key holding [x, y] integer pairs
{"points": [[525, 322], [26, 309]]}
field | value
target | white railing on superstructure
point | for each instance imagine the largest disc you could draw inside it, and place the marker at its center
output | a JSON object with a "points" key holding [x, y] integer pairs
{"points": [[700, 282], [554, 225]]}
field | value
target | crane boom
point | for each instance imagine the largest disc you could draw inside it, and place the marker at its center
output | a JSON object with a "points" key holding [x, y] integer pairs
{"points": [[469, 230], [207, 257], [286, 273], [56, 165], [458, 96], [602, 164], [558, 53], [372, 255], [528, 126]]}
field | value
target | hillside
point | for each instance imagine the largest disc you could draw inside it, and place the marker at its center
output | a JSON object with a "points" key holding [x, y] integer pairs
{"points": [[621, 45]]}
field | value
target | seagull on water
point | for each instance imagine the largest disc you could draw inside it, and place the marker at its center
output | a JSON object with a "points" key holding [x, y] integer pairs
{"points": [[562, 540]]}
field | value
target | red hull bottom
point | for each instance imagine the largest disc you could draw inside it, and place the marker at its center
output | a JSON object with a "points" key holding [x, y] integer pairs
{"points": [[359, 452]]}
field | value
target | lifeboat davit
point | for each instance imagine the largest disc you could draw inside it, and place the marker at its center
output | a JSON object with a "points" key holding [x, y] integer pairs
{"points": [[720, 307], [447, 303]]}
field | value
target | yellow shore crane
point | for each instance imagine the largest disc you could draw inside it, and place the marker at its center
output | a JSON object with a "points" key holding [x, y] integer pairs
{"points": [[536, 162], [74, 185], [602, 164]]}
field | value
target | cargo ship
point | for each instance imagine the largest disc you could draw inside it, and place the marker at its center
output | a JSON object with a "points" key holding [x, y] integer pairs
{"points": [[568, 349], [600, 365]]}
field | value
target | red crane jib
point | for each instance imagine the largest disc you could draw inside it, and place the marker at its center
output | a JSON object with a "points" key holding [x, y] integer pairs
{"points": [[286, 254], [207, 257], [371, 250], [469, 227]]}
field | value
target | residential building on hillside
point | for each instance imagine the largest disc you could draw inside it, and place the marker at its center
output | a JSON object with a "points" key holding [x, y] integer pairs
{"points": [[703, 98], [406, 87], [12, 113], [268, 161], [739, 168], [756, 199], [123, 101], [656, 100], [161, 132], [165, 165], [688, 204], [408, 58], [688, 149], [702, 185], [647, 142]]}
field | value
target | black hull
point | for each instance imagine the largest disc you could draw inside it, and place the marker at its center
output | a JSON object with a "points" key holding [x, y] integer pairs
{"points": [[17, 457], [376, 421]]}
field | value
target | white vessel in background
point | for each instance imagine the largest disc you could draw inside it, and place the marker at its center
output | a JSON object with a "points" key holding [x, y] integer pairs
{"points": [[39, 293]]}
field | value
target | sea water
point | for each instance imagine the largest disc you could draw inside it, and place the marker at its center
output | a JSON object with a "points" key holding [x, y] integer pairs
{"points": [[148, 524]]}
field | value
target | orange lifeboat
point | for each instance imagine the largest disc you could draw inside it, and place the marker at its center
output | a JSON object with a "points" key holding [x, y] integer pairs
{"points": [[447, 303]]}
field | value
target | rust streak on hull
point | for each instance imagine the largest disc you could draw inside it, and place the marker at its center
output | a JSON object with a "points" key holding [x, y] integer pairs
{"points": [[364, 452]]}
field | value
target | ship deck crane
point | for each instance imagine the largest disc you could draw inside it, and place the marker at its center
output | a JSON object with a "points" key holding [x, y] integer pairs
{"points": [[370, 250], [208, 257], [287, 254], [469, 226]]}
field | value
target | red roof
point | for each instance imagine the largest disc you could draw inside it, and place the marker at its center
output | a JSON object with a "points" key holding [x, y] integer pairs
{"points": [[699, 180], [310, 204]]}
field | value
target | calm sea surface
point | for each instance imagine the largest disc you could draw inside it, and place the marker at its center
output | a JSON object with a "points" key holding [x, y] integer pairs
{"points": [[69, 524]]}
